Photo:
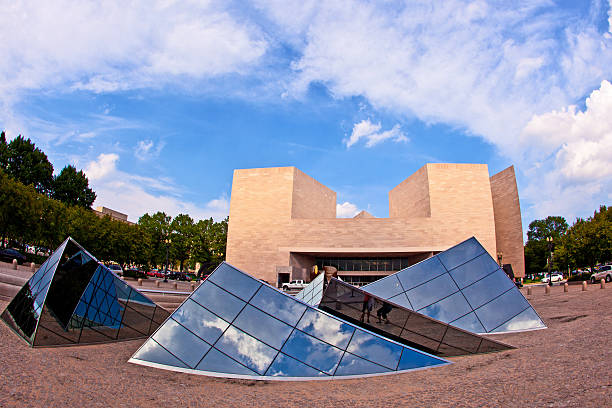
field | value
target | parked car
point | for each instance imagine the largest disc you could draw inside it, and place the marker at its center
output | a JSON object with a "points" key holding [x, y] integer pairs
{"points": [[8, 254], [294, 284], [180, 276], [556, 277], [605, 272], [116, 269]]}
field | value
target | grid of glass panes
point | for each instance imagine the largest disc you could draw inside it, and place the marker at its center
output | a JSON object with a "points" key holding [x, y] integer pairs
{"points": [[80, 301], [463, 286], [313, 292], [360, 280], [369, 264], [23, 312], [235, 325], [400, 324]]}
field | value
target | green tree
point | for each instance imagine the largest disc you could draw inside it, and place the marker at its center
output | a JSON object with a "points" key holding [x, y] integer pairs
{"points": [[72, 188], [536, 248], [157, 227], [182, 238], [3, 151], [29, 165], [209, 243]]}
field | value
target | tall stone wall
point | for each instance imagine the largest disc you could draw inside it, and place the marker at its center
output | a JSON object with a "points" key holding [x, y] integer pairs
{"points": [[508, 223]]}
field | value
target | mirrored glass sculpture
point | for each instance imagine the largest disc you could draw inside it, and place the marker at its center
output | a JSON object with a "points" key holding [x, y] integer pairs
{"points": [[313, 292], [463, 286], [401, 324], [233, 325], [73, 299]]}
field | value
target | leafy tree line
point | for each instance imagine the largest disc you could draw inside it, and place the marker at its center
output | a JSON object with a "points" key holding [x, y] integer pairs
{"points": [[586, 243], [41, 210], [21, 160]]}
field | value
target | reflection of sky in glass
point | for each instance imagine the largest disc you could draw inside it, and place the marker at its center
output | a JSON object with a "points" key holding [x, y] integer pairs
{"points": [[218, 300], [246, 349], [285, 366], [264, 327], [326, 328], [153, 352], [526, 320], [312, 351], [200, 321], [220, 363], [375, 349], [181, 342], [353, 365], [448, 309], [241, 285], [278, 305]]}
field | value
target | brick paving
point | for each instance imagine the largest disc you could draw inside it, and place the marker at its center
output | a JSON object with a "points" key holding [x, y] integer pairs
{"points": [[567, 365]]}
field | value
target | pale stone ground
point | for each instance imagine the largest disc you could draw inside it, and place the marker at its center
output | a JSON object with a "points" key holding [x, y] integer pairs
{"points": [[568, 364]]}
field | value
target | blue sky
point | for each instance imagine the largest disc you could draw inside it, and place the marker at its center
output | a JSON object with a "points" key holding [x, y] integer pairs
{"points": [[159, 101]]}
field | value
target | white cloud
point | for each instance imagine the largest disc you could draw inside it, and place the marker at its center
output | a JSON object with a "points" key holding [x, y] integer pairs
{"points": [[485, 68], [346, 210], [372, 134], [112, 46], [136, 195], [147, 149], [570, 152]]}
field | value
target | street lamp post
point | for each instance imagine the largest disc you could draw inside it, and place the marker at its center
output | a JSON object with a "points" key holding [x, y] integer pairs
{"points": [[549, 240], [167, 241]]}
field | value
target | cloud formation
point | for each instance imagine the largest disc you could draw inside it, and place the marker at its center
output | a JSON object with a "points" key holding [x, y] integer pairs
{"points": [[372, 134], [570, 151], [346, 210], [110, 46], [136, 195]]}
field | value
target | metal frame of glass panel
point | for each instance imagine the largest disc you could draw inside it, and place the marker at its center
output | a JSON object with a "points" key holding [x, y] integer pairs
{"points": [[463, 286], [73, 299], [236, 326], [313, 292], [401, 324]]}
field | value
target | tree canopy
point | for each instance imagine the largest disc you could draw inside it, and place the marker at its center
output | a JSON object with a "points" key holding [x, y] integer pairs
{"points": [[23, 161], [72, 188]]}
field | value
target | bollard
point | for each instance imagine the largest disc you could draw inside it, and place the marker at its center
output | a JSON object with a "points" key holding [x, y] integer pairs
{"points": [[584, 286], [32, 266], [528, 291], [192, 287], [158, 283], [175, 285], [602, 284], [139, 282], [547, 290], [14, 264], [566, 288]]}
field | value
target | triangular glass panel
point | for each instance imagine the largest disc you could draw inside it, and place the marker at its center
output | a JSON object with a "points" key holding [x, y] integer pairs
{"points": [[237, 326], [463, 286], [81, 303], [398, 323]]}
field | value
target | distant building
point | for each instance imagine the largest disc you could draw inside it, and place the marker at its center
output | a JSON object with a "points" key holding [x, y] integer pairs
{"points": [[115, 215], [283, 222]]}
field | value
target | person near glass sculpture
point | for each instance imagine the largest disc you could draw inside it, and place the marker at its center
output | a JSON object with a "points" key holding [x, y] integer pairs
{"points": [[383, 312], [368, 304]]}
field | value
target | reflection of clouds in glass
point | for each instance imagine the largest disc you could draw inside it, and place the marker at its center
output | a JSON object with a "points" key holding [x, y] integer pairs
{"points": [[278, 305], [525, 321], [326, 328], [375, 349], [249, 350], [195, 317]]}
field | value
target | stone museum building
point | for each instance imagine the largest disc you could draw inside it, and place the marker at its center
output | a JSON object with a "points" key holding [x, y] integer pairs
{"points": [[283, 222]]}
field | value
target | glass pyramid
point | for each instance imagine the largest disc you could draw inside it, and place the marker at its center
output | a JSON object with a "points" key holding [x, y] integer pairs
{"points": [[313, 292], [233, 325], [402, 325], [73, 299], [463, 286]]}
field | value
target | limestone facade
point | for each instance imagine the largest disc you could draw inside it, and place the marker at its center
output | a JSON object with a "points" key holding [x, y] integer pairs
{"points": [[282, 219]]}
